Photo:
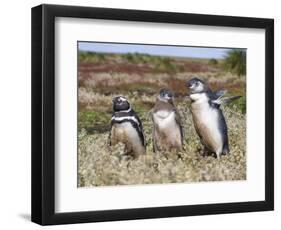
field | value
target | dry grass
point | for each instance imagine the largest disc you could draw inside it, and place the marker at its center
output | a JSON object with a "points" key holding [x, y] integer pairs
{"points": [[98, 165]]}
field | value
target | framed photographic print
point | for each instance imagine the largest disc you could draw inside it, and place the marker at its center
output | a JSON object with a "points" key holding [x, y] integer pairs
{"points": [[141, 114]]}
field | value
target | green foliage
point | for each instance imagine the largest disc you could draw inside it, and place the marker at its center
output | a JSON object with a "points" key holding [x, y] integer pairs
{"points": [[164, 64], [91, 57], [235, 62], [239, 104], [130, 57], [160, 64], [137, 58], [90, 120], [213, 61]]}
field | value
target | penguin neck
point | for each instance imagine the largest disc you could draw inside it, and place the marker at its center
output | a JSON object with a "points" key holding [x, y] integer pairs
{"points": [[164, 100], [199, 98], [123, 112]]}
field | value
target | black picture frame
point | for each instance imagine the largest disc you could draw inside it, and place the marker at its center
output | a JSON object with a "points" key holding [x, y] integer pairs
{"points": [[43, 114]]}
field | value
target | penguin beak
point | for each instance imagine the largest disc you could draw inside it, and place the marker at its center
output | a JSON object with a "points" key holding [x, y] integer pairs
{"points": [[169, 95], [189, 84]]}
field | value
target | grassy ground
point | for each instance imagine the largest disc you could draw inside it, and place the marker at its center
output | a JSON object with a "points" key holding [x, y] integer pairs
{"points": [[139, 80]]}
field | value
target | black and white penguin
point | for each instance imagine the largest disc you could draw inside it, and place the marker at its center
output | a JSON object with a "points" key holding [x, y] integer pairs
{"points": [[167, 128], [208, 118], [126, 127]]}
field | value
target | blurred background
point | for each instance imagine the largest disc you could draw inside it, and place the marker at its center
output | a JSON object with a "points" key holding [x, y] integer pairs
{"points": [[138, 72]]}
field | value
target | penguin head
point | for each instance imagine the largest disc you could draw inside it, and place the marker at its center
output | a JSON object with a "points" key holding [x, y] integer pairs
{"points": [[120, 104], [196, 85], [165, 95]]}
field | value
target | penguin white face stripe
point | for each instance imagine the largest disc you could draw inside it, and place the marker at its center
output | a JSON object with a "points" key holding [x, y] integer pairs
{"points": [[122, 99], [125, 118]]}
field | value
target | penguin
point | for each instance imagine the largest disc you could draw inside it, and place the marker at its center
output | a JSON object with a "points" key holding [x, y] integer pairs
{"points": [[167, 128], [208, 118], [126, 127]]}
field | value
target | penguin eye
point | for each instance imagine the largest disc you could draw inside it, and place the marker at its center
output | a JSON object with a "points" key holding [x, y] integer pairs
{"points": [[196, 83]]}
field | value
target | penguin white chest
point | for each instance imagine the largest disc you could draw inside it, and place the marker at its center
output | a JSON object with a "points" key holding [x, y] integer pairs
{"points": [[165, 122], [126, 132], [167, 130], [209, 118], [165, 119], [206, 119]]}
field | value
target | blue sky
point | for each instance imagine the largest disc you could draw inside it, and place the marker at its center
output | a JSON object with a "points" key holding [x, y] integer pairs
{"points": [[182, 51]]}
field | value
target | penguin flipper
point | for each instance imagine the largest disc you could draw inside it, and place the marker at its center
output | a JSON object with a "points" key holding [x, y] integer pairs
{"points": [[178, 120], [140, 127], [224, 100], [220, 93]]}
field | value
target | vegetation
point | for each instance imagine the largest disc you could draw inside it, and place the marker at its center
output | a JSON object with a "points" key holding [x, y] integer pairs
{"points": [[139, 78], [99, 165], [91, 57], [160, 64], [213, 61], [235, 62], [93, 120], [138, 58]]}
